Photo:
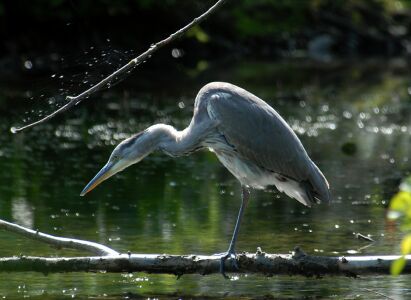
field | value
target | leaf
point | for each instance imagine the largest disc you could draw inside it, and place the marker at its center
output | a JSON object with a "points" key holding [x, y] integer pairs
{"points": [[401, 203], [406, 245], [397, 266]]}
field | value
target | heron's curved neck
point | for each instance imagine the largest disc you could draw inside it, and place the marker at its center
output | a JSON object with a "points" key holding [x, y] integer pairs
{"points": [[174, 142]]}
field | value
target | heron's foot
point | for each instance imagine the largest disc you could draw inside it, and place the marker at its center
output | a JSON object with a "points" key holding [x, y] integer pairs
{"points": [[223, 257]]}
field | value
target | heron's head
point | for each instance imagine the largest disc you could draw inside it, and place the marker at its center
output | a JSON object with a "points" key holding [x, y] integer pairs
{"points": [[128, 152]]}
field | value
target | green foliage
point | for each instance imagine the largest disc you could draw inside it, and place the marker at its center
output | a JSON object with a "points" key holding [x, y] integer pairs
{"points": [[400, 208], [397, 266], [249, 18], [265, 17], [199, 34]]}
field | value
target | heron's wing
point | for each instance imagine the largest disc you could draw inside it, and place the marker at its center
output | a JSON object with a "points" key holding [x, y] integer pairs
{"points": [[261, 135]]}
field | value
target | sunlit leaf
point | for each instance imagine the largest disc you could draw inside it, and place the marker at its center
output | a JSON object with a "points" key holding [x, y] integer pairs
{"points": [[406, 245], [397, 266], [406, 225], [401, 203], [400, 206]]}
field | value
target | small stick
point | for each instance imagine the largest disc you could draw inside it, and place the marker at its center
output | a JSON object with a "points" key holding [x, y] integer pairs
{"points": [[363, 237], [59, 242], [74, 100]]}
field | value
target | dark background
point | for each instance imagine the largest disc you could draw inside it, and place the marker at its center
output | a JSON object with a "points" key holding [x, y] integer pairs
{"points": [[319, 29]]}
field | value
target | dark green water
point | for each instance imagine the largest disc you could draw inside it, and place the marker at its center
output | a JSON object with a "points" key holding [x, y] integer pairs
{"points": [[189, 205]]}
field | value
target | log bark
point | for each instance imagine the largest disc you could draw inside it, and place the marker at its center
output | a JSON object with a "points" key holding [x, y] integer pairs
{"points": [[109, 260], [257, 263]]}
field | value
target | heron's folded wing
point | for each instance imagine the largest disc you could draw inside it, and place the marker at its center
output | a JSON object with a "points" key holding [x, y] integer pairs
{"points": [[260, 134]]}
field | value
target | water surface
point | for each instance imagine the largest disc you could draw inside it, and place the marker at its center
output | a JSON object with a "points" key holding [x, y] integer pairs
{"points": [[353, 119]]}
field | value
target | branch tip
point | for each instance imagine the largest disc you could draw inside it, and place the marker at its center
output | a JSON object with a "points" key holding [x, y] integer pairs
{"points": [[59, 242]]}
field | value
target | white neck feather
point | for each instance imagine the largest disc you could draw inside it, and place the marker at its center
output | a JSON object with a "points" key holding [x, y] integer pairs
{"points": [[172, 141]]}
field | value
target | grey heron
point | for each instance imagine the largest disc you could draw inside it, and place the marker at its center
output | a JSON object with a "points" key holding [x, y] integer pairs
{"points": [[248, 137]]}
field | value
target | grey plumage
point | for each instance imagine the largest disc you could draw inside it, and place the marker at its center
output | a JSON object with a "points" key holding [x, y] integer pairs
{"points": [[249, 138], [258, 137]]}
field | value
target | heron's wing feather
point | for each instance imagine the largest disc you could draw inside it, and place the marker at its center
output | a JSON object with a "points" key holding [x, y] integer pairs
{"points": [[261, 135]]}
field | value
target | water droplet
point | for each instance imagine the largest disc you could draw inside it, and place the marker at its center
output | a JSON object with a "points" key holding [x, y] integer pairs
{"points": [[347, 114], [28, 64], [325, 108], [176, 53]]}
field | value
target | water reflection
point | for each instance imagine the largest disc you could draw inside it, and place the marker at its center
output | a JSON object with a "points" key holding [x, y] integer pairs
{"points": [[22, 212], [189, 204]]}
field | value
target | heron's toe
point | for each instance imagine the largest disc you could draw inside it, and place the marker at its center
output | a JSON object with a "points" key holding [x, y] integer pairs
{"points": [[224, 257]]}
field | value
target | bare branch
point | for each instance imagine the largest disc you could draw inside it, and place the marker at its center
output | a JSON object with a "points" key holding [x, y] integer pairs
{"points": [[74, 100], [262, 263], [59, 242]]}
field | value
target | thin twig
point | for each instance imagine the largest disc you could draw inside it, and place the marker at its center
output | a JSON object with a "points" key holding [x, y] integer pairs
{"points": [[74, 100], [60, 242]]}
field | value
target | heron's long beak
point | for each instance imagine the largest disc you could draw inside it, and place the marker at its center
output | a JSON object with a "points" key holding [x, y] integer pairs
{"points": [[106, 172]]}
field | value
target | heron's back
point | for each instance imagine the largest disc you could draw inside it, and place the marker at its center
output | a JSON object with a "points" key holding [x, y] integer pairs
{"points": [[263, 148]]}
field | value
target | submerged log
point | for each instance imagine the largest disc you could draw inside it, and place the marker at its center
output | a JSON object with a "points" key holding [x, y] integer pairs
{"points": [[257, 263], [298, 263]]}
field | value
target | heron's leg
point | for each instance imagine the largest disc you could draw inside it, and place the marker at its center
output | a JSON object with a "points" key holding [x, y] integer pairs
{"points": [[245, 195]]}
